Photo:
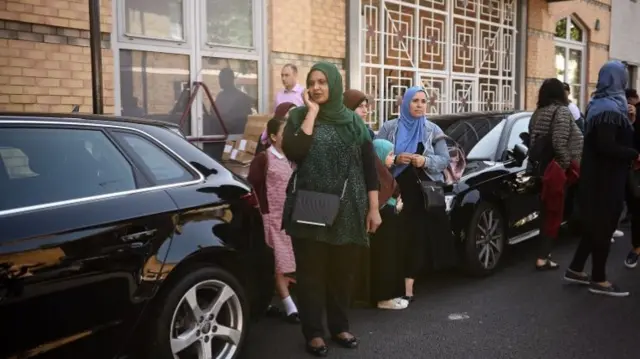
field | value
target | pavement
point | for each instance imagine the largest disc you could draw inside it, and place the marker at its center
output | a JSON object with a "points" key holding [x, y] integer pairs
{"points": [[516, 313]]}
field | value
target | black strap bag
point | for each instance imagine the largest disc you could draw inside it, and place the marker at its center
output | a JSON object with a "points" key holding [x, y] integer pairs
{"points": [[316, 208], [432, 193]]}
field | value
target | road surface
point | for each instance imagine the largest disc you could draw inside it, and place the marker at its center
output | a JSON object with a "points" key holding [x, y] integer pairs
{"points": [[517, 313]]}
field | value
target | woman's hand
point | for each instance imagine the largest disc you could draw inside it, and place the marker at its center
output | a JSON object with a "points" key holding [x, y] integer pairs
{"points": [[632, 113], [373, 220], [399, 204], [311, 105], [418, 161], [404, 158]]}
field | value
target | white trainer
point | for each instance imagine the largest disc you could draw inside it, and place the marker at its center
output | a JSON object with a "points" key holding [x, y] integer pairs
{"points": [[393, 304], [618, 233]]}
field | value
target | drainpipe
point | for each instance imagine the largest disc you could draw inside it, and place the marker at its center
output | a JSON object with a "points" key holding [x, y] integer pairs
{"points": [[95, 39]]}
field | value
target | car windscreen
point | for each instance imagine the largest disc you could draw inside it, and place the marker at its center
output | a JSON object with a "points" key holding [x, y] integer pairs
{"points": [[478, 137]]}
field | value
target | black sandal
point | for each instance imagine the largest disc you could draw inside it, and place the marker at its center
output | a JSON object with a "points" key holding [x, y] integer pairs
{"points": [[548, 265]]}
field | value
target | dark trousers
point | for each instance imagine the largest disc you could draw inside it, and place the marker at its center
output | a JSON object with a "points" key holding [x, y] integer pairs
{"points": [[545, 241], [633, 210], [596, 241], [324, 276], [387, 274]]}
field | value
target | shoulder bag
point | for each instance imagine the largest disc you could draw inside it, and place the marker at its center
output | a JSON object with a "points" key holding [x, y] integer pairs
{"points": [[316, 208], [432, 193]]}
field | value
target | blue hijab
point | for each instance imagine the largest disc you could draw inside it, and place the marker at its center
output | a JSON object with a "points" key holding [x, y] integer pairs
{"points": [[410, 128], [609, 95]]}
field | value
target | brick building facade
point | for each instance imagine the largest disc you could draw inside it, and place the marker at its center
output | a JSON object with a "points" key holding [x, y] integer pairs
{"points": [[469, 54]]}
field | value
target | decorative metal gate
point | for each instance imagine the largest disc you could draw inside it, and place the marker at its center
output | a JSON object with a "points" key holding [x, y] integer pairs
{"points": [[461, 51]]}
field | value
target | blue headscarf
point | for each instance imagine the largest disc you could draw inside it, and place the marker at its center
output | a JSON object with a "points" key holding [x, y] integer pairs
{"points": [[609, 95], [410, 129], [383, 148]]}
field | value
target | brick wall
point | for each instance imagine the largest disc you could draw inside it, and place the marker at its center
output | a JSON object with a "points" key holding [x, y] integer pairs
{"points": [[542, 18], [45, 63], [304, 32]]}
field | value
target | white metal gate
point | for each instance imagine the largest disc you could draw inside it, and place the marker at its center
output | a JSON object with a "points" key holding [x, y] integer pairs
{"points": [[461, 51]]}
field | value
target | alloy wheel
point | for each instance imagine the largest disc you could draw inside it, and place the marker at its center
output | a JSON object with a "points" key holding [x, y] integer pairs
{"points": [[207, 323], [489, 239]]}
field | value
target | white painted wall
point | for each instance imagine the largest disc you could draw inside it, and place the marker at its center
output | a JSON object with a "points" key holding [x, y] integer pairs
{"points": [[625, 32]]}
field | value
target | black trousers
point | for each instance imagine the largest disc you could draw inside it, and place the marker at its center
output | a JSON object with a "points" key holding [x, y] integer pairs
{"points": [[633, 209], [596, 241], [387, 269], [545, 242], [324, 274]]}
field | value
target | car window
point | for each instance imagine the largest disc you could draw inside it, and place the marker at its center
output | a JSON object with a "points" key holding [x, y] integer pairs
{"points": [[521, 125], [470, 134], [47, 165], [164, 168], [486, 147]]}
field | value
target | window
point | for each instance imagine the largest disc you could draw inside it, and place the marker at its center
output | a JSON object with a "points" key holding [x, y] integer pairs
{"points": [[163, 168], [155, 85], [478, 137], [158, 19], [45, 165], [234, 87], [520, 126], [230, 23], [571, 48]]}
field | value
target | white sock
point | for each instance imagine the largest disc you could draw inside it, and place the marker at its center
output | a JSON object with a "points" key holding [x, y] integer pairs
{"points": [[289, 305]]}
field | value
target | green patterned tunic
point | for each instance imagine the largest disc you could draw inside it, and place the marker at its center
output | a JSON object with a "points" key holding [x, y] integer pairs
{"points": [[325, 169]]}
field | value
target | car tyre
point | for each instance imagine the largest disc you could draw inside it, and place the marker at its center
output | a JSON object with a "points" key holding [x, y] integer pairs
{"points": [[220, 322], [485, 240]]}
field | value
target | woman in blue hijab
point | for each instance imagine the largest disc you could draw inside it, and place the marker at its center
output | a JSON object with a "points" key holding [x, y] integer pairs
{"points": [[421, 154], [607, 155]]}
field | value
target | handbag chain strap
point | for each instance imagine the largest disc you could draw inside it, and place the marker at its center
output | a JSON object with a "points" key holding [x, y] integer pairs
{"points": [[344, 186]]}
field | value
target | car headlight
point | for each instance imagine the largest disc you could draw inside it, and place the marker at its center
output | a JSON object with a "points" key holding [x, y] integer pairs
{"points": [[448, 201]]}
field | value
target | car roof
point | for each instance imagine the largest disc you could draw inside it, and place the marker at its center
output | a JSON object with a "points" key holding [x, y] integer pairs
{"points": [[470, 116], [104, 119]]}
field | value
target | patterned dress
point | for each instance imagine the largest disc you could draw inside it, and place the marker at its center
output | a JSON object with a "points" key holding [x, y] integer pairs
{"points": [[278, 173]]}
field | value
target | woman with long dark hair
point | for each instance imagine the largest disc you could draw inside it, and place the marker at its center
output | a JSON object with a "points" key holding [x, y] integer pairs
{"points": [[606, 160], [555, 143]]}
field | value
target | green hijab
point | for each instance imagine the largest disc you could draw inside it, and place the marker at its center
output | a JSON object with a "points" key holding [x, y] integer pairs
{"points": [[333, 112]]}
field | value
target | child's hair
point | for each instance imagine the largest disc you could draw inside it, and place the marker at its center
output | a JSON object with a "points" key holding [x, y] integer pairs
{"points": [[273, 126]]}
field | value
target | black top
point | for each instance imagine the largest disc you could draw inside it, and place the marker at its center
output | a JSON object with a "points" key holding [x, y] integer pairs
{"points": [[297, 146], [410, 190]]}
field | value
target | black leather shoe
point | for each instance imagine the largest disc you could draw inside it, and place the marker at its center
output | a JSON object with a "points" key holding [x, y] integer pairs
{"points": [[292, 318], [350, 343], [320, 352]]}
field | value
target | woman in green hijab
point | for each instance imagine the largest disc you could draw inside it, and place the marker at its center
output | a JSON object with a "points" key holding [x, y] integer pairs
{"points": [[329, 144]]}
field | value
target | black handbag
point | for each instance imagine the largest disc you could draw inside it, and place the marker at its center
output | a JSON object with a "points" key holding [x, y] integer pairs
{"points": [[432, 193], [316, 208]]}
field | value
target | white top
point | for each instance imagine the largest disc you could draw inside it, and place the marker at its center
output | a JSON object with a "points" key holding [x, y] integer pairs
{"points": [[575, 111]]}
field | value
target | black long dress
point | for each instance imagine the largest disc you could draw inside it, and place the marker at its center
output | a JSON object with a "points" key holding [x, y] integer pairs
{"points": [[425, 244], [607, 156], [387, 272]]}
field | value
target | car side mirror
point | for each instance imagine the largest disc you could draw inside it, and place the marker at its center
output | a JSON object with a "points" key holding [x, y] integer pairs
{"points": [[516, 156]]}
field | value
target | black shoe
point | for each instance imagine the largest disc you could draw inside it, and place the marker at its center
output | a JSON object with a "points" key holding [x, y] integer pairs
{"points": [[292, 318], [573, 277], [274, 312], [320, 352], [632, 260], [611, 290], [350, 343], [408, 298]]}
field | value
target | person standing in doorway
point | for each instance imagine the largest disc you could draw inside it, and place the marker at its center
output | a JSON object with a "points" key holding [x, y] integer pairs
{"points": [[607, 157], [292, 91]]}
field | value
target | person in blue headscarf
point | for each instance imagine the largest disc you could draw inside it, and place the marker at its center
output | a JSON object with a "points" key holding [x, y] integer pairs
{"points": [[607, 156], [421, 154]]}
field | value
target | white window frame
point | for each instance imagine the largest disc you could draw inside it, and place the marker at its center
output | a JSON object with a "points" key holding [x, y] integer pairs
{"points": [[123, 36], [568, 45], [195, 47]]}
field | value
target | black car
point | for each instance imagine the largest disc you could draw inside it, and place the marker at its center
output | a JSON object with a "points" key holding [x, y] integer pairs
{"points": [[493, 204], [119, 238]]}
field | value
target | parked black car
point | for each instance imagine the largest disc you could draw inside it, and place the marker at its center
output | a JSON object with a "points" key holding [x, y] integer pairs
{"points": [[492, 205], [118, 237]]}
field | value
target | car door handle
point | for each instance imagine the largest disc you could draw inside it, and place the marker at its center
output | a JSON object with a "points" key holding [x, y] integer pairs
{"points": [[138, 235]]}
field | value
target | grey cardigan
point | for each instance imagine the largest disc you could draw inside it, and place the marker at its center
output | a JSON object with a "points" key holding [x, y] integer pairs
{"points": [[437, 154]]}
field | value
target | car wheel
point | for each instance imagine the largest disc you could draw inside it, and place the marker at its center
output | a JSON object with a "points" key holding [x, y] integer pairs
{"points": [[485, 240], [203, 315]]}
